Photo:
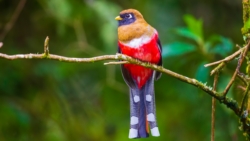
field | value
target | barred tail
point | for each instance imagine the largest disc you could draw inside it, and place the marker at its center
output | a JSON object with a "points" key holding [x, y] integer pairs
{"points": [[138, 122], [142, 111], [143, 124]]}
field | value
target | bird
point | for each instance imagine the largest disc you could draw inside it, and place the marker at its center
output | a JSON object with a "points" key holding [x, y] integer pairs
{"points": [[138, 39]]}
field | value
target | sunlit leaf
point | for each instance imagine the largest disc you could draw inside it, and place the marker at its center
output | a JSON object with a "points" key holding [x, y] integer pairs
{"points": [[194, 25], [185, 32], [177, 48]]}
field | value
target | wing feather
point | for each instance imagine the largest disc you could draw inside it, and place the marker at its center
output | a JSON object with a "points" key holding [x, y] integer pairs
{"points": [[158, 74], [126, 75]]}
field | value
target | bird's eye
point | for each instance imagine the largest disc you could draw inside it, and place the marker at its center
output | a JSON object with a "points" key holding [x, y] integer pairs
{"points": [[128, 16]]}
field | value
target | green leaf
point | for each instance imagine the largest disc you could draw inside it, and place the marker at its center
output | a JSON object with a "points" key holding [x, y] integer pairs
{"points": [[202, 73], [185, 32], [177, 48], [211, 42], [194, 25], [193, 30], [220, 45]]}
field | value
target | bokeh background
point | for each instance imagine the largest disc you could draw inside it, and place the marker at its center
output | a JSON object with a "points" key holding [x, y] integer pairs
{"points": [[45, 100]]}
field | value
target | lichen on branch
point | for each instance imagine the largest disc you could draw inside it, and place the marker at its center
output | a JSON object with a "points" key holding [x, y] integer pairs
{"points": [[246, 22]]}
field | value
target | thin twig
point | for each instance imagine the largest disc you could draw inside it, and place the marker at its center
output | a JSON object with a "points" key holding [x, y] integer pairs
{"points": [[46, 46], [213, 106], [13, 19], [241, 59], [228, 58], [116, 63], [232, 79], [218, 68], [245, 99], [242, 77]]}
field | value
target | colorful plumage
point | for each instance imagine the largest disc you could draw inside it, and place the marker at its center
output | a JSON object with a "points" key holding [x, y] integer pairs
{"points": [[136, 38]]}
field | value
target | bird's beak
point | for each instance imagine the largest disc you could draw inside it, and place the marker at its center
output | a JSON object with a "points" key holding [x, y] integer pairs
{"points": [[118, 18]]}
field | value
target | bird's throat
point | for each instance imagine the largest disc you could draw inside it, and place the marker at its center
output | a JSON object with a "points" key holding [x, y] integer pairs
{"points": [[135, 30]]}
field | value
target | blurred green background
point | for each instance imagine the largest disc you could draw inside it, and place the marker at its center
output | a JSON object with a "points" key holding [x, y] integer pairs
{"points": [[45, 100]]}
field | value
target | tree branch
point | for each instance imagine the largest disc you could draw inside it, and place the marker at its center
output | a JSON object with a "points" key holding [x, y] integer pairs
{"points": [[244, 111], [232, 104], [116, 63], [243, 78], [241, 59]]}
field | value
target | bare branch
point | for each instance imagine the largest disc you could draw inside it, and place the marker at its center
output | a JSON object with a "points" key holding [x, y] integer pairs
{"points": [[232, 104], [241, 59], [228, 58], [13, 19], [213, 106]]}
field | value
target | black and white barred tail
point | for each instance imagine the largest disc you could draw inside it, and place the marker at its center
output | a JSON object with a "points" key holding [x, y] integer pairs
{"points": [[142, 111]]}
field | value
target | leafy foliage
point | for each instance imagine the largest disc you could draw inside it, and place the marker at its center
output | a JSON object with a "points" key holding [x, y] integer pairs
{"points": [[196, 44]]}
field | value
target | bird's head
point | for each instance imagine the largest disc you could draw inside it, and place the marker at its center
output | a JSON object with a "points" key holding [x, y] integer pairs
{"points": [[131, 25], [129, 16]]}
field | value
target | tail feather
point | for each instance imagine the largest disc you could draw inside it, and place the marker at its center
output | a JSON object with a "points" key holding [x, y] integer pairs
{"points": [[149, 94], [142, 111], [143, 131], [138, 127]]}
